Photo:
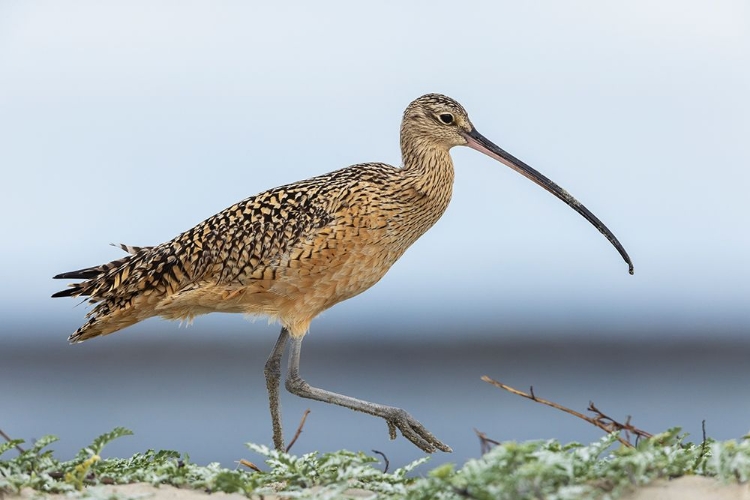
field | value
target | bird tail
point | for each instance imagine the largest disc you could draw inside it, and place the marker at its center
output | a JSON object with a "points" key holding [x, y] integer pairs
{"points": [[106, 286]]}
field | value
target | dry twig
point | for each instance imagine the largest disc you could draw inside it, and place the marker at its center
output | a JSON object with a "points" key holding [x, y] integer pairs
{"points": [[608, 424], [485, 443], [249, 465], [600, 420], [299, 430]]}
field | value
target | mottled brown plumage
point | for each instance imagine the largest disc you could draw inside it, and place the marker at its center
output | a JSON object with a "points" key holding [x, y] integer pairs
{"points": [[294, 251], [290, 252]]}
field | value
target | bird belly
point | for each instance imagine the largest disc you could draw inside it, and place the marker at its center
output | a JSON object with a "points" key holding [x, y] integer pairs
{"points": [[305, 282], [332, 275]]}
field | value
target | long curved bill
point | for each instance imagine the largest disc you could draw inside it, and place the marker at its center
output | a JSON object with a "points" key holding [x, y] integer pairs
{"points": [[477, 141]]}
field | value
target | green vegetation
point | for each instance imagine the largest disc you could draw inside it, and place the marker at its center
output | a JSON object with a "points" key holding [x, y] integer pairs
{"points": [[535, 469]]}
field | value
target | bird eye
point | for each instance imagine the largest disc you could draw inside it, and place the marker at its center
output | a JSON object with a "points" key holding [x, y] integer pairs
{"points": [[446, 118]]}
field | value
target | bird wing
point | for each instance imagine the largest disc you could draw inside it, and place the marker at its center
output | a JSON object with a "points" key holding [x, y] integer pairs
{"points": [[239, 244]]}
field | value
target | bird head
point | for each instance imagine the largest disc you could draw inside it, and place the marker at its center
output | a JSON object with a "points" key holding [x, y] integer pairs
{"points": [[435, 120], [436, 123]]}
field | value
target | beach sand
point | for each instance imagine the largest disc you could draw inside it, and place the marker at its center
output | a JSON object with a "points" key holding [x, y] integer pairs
{"points": [[684, 488], [690, 488]]}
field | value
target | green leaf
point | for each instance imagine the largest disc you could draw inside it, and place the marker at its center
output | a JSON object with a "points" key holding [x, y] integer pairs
{"points": [[98, 444], [9, 445]]}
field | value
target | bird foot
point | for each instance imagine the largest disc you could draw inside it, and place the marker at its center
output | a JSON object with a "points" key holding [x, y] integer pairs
{"points": [[395, 417], [412, 430]]}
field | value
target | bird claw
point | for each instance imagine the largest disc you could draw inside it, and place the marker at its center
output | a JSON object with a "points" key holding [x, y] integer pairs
{"points": [[391, 430], [415, 432]]}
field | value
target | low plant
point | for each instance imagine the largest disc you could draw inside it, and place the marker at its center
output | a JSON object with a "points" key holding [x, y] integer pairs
{"points": [[529, 470]]}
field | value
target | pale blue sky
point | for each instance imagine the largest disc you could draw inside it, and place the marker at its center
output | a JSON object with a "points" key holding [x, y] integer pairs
{"points": [[133, 121]]}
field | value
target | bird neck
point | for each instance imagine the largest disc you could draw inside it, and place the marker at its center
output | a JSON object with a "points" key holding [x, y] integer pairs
{"points": [[429, 168]]}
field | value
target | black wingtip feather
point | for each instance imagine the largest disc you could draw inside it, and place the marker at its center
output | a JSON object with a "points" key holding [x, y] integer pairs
{"points": [[68, 292], [83, 274]]}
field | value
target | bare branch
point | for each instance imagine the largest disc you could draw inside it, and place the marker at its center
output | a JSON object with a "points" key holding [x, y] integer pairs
{"points": [[485, 443], [299, 430], [602, 421], [609, 424]]}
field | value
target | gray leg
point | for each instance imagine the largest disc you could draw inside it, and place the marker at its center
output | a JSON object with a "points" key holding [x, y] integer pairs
{"points": [[273, 375], [394, 417]]}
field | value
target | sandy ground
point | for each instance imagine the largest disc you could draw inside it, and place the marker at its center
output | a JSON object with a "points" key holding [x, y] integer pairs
{"points": [[690, 488], [146, 491], [684, 488]]}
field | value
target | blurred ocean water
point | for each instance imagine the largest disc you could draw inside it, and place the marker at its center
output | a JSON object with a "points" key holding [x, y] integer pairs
{"points": [[205, 394]]}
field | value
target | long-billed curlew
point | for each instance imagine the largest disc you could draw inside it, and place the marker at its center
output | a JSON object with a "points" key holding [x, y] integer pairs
{"points": [[294, 251]]}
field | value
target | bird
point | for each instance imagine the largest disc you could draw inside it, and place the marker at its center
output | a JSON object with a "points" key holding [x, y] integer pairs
{"points": [[294, 251]]}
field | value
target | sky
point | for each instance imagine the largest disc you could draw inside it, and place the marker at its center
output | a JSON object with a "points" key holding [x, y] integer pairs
{"points": [[133, 121]]}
